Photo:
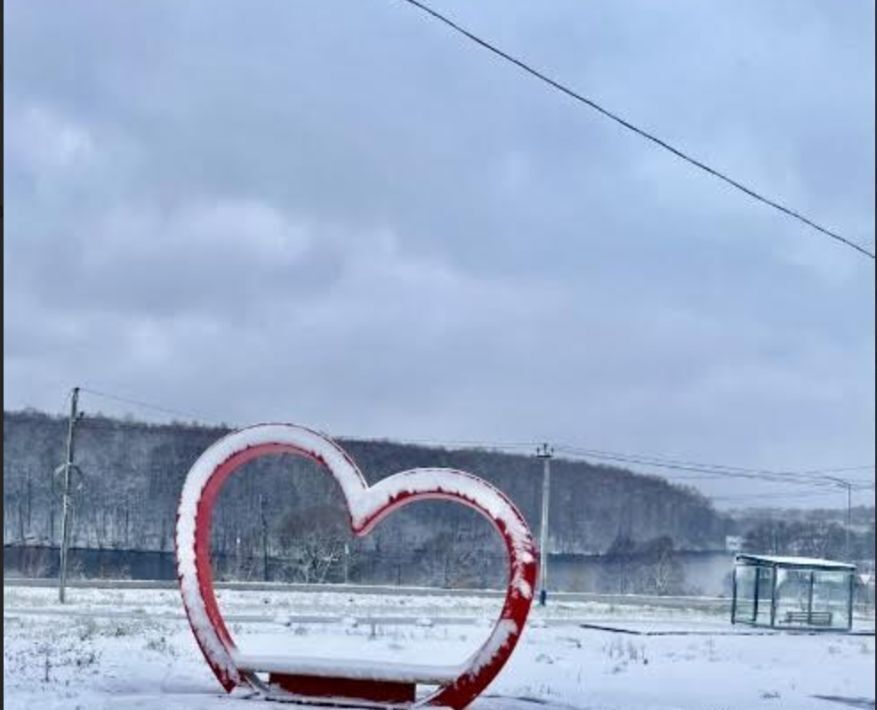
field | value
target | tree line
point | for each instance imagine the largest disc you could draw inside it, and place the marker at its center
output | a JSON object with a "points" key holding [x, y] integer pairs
{"points": [[283, 518], [132, 474]]}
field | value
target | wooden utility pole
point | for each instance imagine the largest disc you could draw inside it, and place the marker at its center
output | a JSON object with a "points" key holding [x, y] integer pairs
{"points": [[545, 453], [849, 519], [65, 507], [264, 526]]}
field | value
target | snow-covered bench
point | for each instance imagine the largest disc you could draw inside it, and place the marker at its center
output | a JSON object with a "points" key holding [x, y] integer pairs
{"points": [[379, 681]]}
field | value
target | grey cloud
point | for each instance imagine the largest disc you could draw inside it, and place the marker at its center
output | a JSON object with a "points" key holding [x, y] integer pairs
{"points": [[343, 214]]}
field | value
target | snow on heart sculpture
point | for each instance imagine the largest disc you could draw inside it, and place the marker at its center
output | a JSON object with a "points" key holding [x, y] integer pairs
{"points": [[302, 678]]}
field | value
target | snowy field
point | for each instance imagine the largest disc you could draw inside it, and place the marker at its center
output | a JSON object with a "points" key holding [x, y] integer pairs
{"points": [[133, 649]]}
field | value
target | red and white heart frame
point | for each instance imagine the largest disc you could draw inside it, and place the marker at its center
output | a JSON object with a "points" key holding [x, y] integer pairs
{"points": [[366, 507]]}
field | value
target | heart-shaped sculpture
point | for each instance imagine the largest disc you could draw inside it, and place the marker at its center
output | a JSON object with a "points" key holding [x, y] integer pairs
{"points": [[366, 507]]}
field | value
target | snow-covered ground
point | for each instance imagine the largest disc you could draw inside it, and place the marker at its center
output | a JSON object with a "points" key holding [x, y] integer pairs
{"points": [[133, 649]]}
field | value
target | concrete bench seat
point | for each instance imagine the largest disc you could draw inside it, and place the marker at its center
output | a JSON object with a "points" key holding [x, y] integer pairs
{"points": [[354, 669]]}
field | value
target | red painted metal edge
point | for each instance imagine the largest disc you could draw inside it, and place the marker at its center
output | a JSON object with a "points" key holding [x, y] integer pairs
{"points": [[462, 691]]}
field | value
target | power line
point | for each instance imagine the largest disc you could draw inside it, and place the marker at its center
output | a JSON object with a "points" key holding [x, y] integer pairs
{"points": [[497, 446], [811, 477], [712, 466], [784, 494], [857, 485], [708, 471], [639, 131], [714, 474], [145, 405]]}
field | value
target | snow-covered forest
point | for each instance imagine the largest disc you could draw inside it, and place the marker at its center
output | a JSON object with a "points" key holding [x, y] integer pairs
{"points": [[282, 518], [132, 473]]}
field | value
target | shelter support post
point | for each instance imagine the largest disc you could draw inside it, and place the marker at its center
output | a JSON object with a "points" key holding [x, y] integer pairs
{"points": [[773, 596], [734, 596], [810, 598], [850, 602], [755, 595]]}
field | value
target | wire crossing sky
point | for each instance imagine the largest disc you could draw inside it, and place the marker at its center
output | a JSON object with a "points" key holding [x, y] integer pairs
{"points": [[669, 467], [644, 134], [338, 214]]}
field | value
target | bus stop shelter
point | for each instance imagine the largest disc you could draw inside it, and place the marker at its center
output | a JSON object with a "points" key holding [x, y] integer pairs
{"points": [[793, 592]]}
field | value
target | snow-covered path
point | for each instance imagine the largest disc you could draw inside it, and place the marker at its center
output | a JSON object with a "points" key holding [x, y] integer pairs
{"points": [[144, 656]]}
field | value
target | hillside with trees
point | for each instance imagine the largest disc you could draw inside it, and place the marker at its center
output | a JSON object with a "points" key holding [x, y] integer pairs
{"points": [[132, 474], [808, 533]]}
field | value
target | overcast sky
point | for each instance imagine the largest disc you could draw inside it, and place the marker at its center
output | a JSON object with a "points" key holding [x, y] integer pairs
{"points": [[342, 214]]}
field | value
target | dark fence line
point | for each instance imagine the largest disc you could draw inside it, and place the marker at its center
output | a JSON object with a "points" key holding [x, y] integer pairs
{"points": [[399, 567], [692, 573], [365, 567]]}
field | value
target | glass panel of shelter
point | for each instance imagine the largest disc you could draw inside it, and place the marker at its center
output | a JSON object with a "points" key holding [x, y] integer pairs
{"points": [[793, 600], [744, 580], [831, 599], [763, 594]]}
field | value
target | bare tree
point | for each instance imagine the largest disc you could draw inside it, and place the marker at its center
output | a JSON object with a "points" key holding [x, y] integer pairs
{"points": [[313, 542], [660, 571], [454, 558], [652, 567]]}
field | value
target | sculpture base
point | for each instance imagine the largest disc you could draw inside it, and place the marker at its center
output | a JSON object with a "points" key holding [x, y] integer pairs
{"points": [[374, 691]]}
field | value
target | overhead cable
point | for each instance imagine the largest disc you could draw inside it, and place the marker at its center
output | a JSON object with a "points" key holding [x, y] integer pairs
{"points": [[679, 153]]}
